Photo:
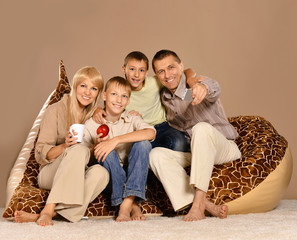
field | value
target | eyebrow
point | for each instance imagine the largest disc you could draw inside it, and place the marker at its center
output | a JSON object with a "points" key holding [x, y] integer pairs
{"points": [[83, 82], [135, 67]]}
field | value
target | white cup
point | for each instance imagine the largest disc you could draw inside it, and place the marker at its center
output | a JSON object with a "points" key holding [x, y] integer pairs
{"points": [[79, 129]]}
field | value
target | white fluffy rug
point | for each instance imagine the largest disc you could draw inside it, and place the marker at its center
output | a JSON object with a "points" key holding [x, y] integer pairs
{"points": [[281, 223]]}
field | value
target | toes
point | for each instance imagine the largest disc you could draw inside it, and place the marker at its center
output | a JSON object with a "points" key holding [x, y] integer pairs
{"points": [[139, 218], [190, 218], [45, 220], [123, 219], [224, 211]]}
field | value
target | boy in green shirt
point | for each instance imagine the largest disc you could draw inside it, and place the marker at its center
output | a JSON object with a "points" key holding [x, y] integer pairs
{"points": [[145, 100]]}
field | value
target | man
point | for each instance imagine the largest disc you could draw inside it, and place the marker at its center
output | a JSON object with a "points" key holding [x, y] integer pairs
{"points": [[207, 129]]}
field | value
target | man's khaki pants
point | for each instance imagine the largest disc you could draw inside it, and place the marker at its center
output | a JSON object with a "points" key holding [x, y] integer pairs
{"points": [[208, 147]]}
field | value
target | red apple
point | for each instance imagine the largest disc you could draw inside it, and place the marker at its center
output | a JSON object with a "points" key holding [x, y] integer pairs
{"points": [[104, 129]]}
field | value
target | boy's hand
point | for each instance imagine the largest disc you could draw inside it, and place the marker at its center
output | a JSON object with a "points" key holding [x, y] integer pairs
{"points": [[103, 148], [99, 115], [99, 139], [135, 113]]}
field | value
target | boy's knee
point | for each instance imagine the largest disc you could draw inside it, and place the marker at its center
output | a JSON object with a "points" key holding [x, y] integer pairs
{"points": [[143, 145], [111, 159], [180, 144]]}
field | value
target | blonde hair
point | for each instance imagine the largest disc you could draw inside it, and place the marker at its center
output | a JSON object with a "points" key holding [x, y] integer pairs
{"points": [[120, 82], [73, 112]]}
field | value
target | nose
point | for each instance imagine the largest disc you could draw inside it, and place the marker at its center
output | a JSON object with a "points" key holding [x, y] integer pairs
{"points": [[87, 91], [136, 73], [166, 74], [119, 99]]}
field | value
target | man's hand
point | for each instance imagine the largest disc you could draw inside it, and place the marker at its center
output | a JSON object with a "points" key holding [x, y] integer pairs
{"points": [[199, 93], [99, 115]]}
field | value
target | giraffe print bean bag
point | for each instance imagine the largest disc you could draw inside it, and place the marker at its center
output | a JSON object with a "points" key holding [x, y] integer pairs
{"points": [[254, 183]]}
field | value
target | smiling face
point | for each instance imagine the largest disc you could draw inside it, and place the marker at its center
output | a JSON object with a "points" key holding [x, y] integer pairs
{"points": [[116, 99], [86, 92], [135, 72], [169, 72]]}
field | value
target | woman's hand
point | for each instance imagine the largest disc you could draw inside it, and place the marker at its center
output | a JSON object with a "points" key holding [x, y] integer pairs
{"points": [[69, 139], [99, 115]]}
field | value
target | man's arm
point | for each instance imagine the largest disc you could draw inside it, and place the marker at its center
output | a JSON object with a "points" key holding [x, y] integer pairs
{"points": [[213, 89], [192, 78]]}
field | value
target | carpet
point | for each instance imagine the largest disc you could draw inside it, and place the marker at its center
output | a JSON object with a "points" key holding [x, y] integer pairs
{"points": [[280, 223]]}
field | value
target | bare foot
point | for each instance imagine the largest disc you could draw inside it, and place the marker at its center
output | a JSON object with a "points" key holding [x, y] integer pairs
{"points": [[195, 214], [21, 217], [45, 219], [136, 214], [220, 211], [125, 210], [124, 215]]}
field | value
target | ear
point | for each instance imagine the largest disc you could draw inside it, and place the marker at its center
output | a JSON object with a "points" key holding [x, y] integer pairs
{"points": [[124, 70], [181, 66]]}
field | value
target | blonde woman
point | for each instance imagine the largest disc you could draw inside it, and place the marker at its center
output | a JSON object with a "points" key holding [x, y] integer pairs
{"points": [[63, 161]]}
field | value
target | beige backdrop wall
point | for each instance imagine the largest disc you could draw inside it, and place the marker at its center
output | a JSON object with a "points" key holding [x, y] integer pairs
{"points": [[249, 46]]}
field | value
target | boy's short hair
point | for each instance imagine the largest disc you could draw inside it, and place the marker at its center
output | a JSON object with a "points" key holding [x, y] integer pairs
{"points": [[139, 56], [162, 54], [119, 81]]}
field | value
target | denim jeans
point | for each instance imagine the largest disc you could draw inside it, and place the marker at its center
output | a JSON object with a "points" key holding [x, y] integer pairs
{"points": [[169, 137], [128, 180]]}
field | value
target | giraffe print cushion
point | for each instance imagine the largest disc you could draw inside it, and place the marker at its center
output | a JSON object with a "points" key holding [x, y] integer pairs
{"points": [[27, 196], [263, 150]]}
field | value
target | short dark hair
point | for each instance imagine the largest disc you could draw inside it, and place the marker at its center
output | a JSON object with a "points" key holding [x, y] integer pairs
{"points": [[162, 54], [119, 81], [139, 56]]}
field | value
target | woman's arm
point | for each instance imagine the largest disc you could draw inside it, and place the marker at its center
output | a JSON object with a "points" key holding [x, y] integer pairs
{"points": [[56, 151], [53, 139]]}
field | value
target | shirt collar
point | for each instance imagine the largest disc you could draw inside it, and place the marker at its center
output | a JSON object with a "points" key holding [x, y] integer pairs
{"points": [[125, 116]]}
